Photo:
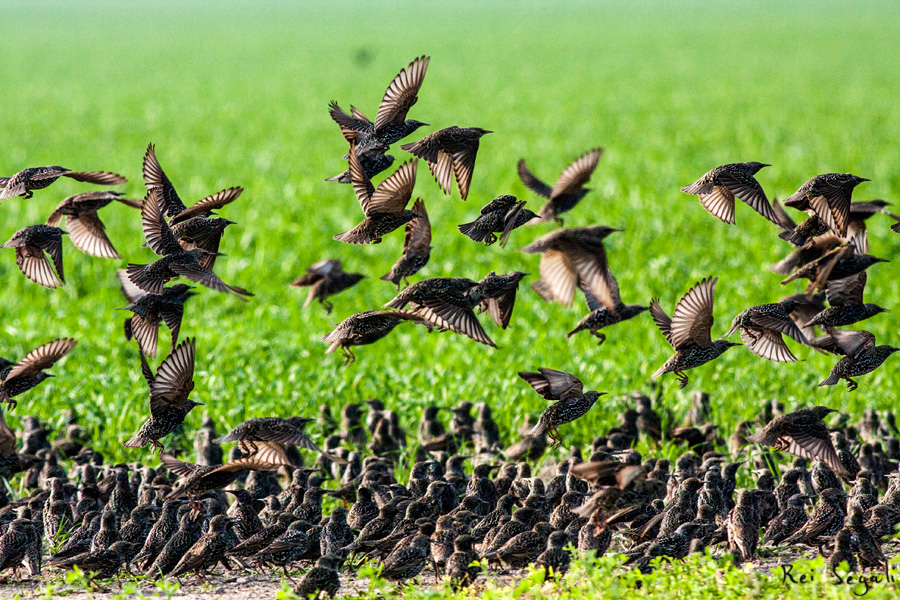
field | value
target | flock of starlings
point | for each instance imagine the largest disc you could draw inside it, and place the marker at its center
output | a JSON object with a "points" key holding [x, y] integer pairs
{"points": [[107, 519]]}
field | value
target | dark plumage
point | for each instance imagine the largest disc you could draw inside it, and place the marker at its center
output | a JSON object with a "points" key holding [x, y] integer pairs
{"points": [[802, 434], [827, 519], [555, 559], [84, 226], [416, 247], [20, 377], [604, 315], [568, 190], [152, 309], [30, 243], [762, 326], [459, 566], [450, 152], [322, 578], [103, 563], [846, 299], [324, 279], [208, 550], [718, 188], [861, 356], [365, 328], [409, 556], [571, 401], [496, 295], [743, 525], [26, 181], [840, 263], [501, 215], [787, 522], [828, 196]]}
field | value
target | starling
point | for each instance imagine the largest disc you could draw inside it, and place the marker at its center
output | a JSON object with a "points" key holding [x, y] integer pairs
{"points": [[385, 206], [336, 533], [365, 328], [101, 564], [85, 228], [166, 525], [262, 539], [673, 546], [842, 552], [324, 279], [372, 164], [188, 533], [30, 243], [169, 391], [290, 546], [861, 356], [18, 545], [743, 525], [603, 316], [571, 401], [496, 295], [208, 550], [826, 519], [802, 434], [523, 548], [501, 215], [204, 233], [152, 309], [416, 247], [569, 188], [364, 509], [276, 430], [718, 188], [555, 559], [798, 235], [840, 263], [688, 331], [321, 578], [576, 258], [827, 196], [409, 556], [460, 570], [868, 547], [10, 461], [807, 253], [20, 377], [444, 302], [846, 299], [391, 124], [790, 520], [26, 181], [450, 152], [198, 479], [175, 261], [761, 328]]}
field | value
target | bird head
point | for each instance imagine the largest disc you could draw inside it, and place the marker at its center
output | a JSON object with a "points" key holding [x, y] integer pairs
{"points": [[821, 412], [756, 166], [191, 405], [42, 376], [855, 181], [413, 125]]}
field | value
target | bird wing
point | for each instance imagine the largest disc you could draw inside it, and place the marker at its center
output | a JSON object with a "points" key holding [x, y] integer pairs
{"points": [[464, 167], [509, 222], [98, 177], [500, 203], [172, 315], [767, 343], [662, 320], [131, 292], [531, 182], [174, 379], [576, 175], [362, 186], [7, 439], [854, 342], [146, 334], [454, 314], [501, 307], [155, 179], [177, 466], [846, 291], [393, 194], [42, 357], [34, 264], [692, 320], [158, 233], [208, 204], [350, 125], [748, 189], [594, 274], [832, 206], [442, 169], [554, 385], [811, 443], [418, 231], [207, 278], [719, 203], [89, 235], [558, 273], [401, 94], [782, 218]]}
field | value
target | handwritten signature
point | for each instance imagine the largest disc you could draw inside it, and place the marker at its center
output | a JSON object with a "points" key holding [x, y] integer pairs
{"points": [[860, 584]]}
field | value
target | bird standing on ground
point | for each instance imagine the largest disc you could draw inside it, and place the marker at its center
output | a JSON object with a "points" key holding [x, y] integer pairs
{"points": [[567, 390], [26, 181], [30, 243], [718, 188], [450, 152], [569, 188], [324, 279]]}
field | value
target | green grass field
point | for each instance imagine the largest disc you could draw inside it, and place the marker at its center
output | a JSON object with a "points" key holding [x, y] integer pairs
{"points": [[237, 94]]}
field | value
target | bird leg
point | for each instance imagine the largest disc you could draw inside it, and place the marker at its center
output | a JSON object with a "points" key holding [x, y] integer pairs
{"points": [[157, 445], [349, 357], [600, 336], [27, 194], [851, 385], [682, 379], [288, 577]]}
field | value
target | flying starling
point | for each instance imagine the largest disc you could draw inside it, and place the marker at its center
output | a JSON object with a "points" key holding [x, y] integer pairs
{"points": [[277, 430], [718, 188], [175, 261], [384, 206], [761, 328], [169, 391], [846, 299], [571, 401], [798, 235], [416, 247], [26, 181], [391, 124], [152, 309], [444, 302], [372, 164], [688, 331], [84, 226], [30, 243], [827, 196], [802, 434], [18, 378], [199, 479], [365, 328], [603, 316], [496, 295], [861, 356], [450, 152], [840, 263], [324, 279], [815, 248], [573, 258], [501, 215], [569, 188]]}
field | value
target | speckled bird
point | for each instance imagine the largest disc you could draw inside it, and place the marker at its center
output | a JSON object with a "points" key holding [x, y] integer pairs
{"points": [[688, 331], [324, 279], [409, 556], [718, 188], [84, 226], [828, 196], [847, 307], [31, 243], [416, 247], [743, 525], [26, 181], [208, 550], [170, 389], [840, 263], [603, 315], [861, 356], [277, 430], [572, 402], [150, 310], [555, 559], [101, 564], [459, 566], [322, 578], [802, 433], [762, 326], [18, 378], [501, 215], [790, 520], [496, 295], [365, 328], [568, 190], [450, 153], [826, 519]]}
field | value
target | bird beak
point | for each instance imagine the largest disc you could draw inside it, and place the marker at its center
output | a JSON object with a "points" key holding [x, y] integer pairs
{"points": [[761, 165]]}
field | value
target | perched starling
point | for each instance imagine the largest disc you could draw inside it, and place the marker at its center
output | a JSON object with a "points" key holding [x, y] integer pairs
{"points": [[276, 430], [416, 247], [802, 434], [408, 558], [208, 550], [444, 302], [84, 227], [501, 215], [743, 525], [169, 391], [152, 309], [868, 547], [555, 559], [861, 356], [761, 328], [842, 552], [166, 525], [450, 152], [103, 563], [496, 295], [175, 261], [571, 401], [688, 331], [460, 569], [20, 377], [846, 299], [575, 258], [569, 188], [188, 533], [840, 263], [826, 519], [321, 578], [391, 124], [290, 546], [26, 181], [365, 328], [385, 206], [30, 243], [336, 533], [718, 188], [324, 279], [828, 196]]}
